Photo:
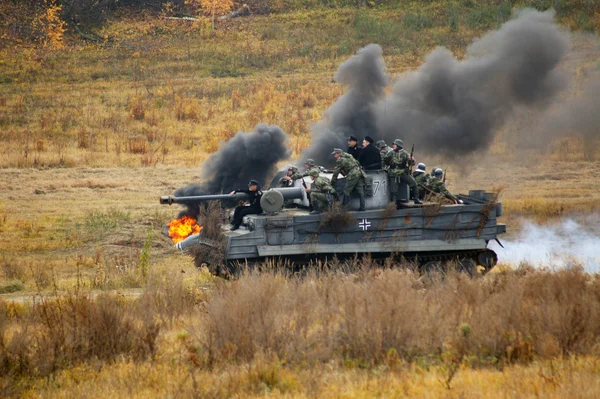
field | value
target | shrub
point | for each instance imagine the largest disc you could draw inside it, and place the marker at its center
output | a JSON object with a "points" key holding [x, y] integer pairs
{"points": [[71, 329], [510, 317], [137, 144]]}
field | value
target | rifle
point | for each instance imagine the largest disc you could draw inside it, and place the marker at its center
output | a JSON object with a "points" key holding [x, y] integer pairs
{"points": [[444, 180], [430, 191], [310, 206], [411, 161]]}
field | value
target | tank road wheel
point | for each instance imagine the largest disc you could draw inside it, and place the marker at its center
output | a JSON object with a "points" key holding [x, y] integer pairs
{"points": [[216, 269], [467, 266], [487, 259], [432, 269], [234, 269]]}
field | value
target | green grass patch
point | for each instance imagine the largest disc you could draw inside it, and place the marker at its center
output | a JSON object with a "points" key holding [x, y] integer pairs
{"points": [[418, 21], [372, 28], [104, 221], [489, 16], [10, 287]]}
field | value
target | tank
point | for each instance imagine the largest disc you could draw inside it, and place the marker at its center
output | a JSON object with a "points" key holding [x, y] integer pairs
{"points": [[431, 236]]}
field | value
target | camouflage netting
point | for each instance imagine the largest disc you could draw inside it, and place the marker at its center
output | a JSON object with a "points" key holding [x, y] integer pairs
{"points": [[337, 219], [485, 210], [430, 211], [389, 211], [211, 218]]}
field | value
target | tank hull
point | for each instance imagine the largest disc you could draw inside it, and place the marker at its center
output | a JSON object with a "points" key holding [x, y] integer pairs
{"points": [[413, 231]]}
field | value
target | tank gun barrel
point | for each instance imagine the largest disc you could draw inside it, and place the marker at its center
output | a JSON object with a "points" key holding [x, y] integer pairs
{"points": [[170, 199], [287, 193]]}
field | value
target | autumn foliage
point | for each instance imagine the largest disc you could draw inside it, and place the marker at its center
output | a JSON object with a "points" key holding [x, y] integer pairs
{"points": [[50, 25]]}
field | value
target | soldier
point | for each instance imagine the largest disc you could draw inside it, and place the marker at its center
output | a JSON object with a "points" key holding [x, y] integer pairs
{"points": [[422, 178], [383, 148], [355, 177], [398, 162], [369, 157], [253, 208], [439, 187], [321, 192], [287, 180], [353, 148], [309, 164]]}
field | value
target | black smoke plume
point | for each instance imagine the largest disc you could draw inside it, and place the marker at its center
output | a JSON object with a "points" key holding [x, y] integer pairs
{"points": [[244, 157], [354, 112], [455, 107], [448, 106]]}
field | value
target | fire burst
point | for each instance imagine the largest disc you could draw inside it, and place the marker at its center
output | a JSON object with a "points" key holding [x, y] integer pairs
{"points": [[180, 229]]}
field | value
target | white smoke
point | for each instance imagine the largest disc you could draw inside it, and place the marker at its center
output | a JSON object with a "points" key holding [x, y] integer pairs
{"points": [[560, 246]]}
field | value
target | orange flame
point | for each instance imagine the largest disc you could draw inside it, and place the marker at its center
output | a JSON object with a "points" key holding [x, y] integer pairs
{"points": [[180, 229]]}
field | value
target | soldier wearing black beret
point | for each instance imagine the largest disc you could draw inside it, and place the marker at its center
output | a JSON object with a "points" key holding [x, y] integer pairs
{"points": [[253, 208], [369, 157], [353, 147]]}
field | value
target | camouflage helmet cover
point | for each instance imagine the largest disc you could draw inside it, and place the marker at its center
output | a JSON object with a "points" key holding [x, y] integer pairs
{"points": [[399, 142], [380, 143], [292, 168], [310, 162], [337, 151], [313, 173]]}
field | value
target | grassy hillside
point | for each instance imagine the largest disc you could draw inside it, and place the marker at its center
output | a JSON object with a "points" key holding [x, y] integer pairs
{"points": [[159, 91], [94, 302]]}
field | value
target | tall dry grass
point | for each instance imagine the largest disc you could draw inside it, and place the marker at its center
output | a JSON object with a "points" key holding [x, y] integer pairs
{"points": [[62, 332], [266, 330], [372, 316]]}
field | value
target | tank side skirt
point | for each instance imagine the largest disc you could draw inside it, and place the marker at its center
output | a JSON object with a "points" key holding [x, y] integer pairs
{"points": [[368, 247]]}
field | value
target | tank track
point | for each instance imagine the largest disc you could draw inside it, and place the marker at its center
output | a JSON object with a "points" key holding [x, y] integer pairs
{"points": [[473, 262]]}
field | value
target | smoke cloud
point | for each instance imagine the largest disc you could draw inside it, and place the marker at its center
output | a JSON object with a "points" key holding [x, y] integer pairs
{"points": [[455, 107], [578, 115], [564, 245], [354, 113], [244, 157], [447, 106]]}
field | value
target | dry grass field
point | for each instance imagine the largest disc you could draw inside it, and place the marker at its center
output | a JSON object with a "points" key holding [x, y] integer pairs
{"points": [[95, 302]]}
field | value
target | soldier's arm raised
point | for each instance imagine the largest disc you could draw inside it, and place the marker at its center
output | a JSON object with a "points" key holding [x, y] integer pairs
{"points": [[336, 172]]}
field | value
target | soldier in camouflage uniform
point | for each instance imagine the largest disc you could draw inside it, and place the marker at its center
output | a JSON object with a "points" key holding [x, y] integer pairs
{"points": [[383, 148], [287, 180], [321, 192], [355, 176], [398, 162], [422, 178], [309, 164], [438, 186]]}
